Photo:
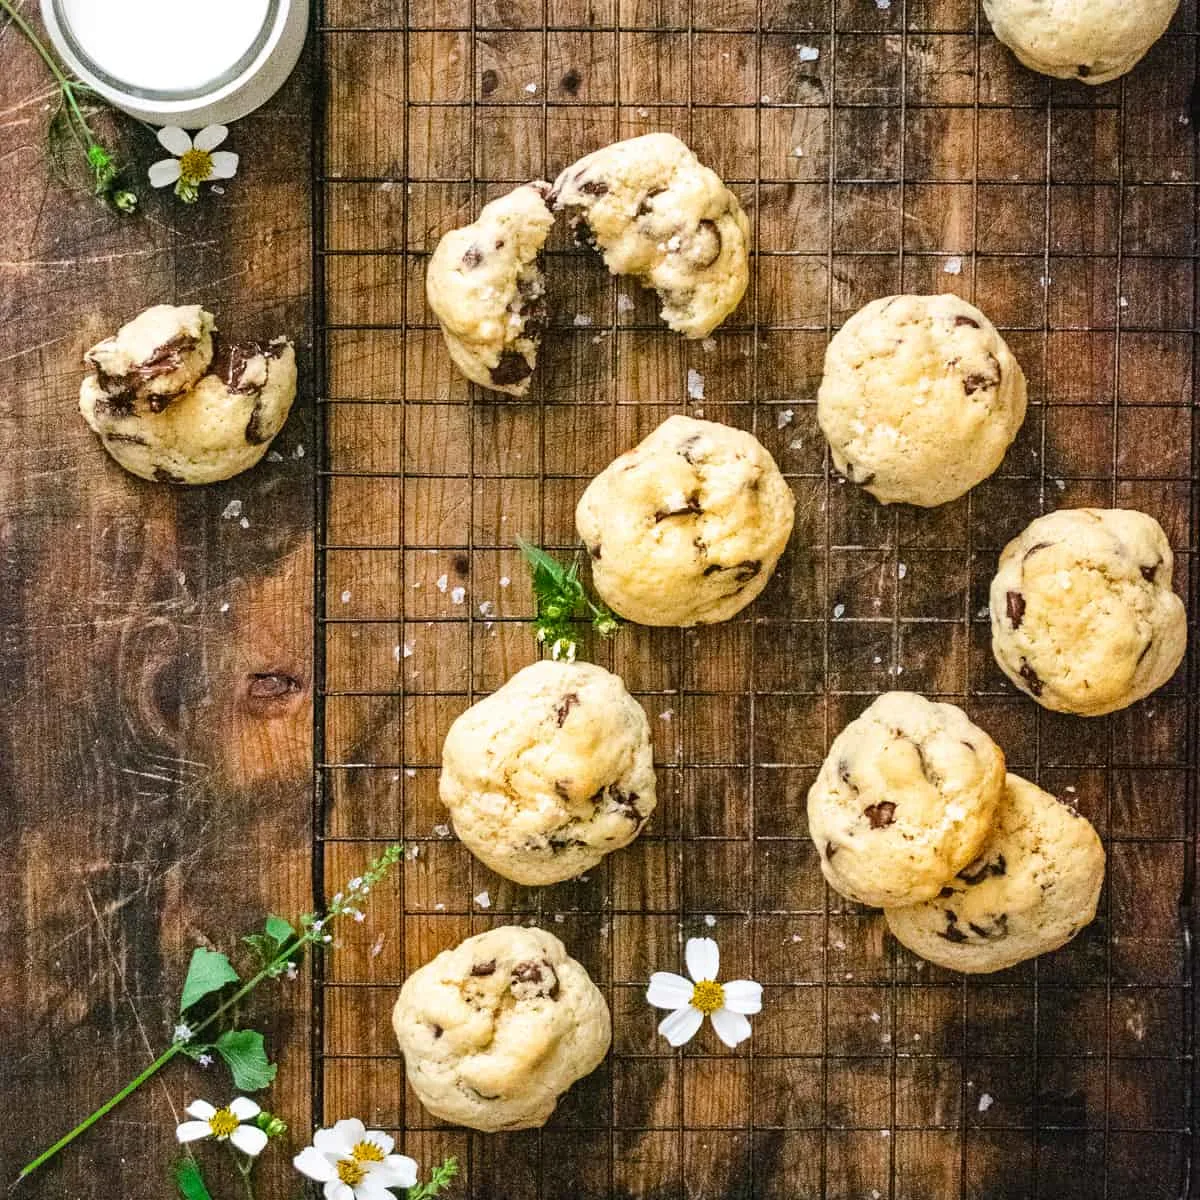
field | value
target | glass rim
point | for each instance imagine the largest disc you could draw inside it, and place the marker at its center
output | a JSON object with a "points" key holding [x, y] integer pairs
{"points": [[166, 95]]}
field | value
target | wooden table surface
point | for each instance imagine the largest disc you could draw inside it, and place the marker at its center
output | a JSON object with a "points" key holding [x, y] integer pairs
{"points": [[148, 804]]}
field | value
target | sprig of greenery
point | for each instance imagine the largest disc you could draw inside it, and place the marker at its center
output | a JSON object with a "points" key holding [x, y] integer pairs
{"points": [[69, 123], [211, 975], [561, 598], [440, 1178]]}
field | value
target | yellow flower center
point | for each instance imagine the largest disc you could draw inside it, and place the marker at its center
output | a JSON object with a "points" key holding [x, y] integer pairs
{"points": [[223, 1123], [367, 1152], [708, 996], [196, 165], [350, 1173]]}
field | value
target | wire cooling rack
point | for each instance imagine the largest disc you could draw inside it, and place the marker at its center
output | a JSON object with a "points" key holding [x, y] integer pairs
{"points": [[877, 147]]}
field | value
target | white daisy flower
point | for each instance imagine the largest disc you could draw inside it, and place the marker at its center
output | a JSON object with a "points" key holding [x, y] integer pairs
{"points": [[196, 161], [225, 1124], [690, 1000], [355, 1163]]}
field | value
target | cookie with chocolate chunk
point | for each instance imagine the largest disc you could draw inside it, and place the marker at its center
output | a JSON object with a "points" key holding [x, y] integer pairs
{"points": [[153, 358], [220, 425], [1033, 887], [549, 774], [496, 1029], [904, 800], [920, 399], [1084, 618], [486, 287], [686, 528], [655, 212]]}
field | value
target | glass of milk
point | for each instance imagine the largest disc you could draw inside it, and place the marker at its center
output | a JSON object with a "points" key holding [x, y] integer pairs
{"points": [[180, 62]]}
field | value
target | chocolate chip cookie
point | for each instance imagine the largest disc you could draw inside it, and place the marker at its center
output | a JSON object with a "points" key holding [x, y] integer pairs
{"points": [[1033, 887], [655, 212], [686, 528], [904, 800], [1084, 618], [486, 286], [550, 773], [495, 1030], [920, 399]]}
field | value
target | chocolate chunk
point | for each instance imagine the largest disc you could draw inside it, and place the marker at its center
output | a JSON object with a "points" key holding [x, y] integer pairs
{"points": [[539, 974], [166, 358], [706, 245], [488, 82], [960, 321], [437, 1031], [564, 706], [991, 933], [255, 435], [692, 505], [952, 933], [114, 403], [1030, 676], [594, 187], [473, 257], [1015, 604], [946, 893], [880, 815], [1083, 70], [571, 81], [512, 368], [483, 969], [930, 774], [830, 851], [527, 972], [983, 869], [270, 685], [1148, 573], [1034, 549], [746, 570], [594, 551], [981, 382], [644, 206], [162, 475]]}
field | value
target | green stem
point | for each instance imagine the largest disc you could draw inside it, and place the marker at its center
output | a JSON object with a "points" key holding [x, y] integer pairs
{"points": [[244, 1166], [175, 1048]]}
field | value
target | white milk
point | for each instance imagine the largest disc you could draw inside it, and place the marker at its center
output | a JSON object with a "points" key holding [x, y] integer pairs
{"points": [[164, 45]]}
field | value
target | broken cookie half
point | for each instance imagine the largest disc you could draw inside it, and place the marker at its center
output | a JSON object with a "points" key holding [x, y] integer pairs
{"points": [[173, 404], [654, 211], [486, 286]]}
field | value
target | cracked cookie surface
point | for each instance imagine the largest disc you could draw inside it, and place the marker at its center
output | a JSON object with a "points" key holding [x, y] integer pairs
{"points": [[655, 212], [1094, 41], [686, 528], [904, 800], [220, 425], [1084, 618], [494, 1030], [920, 399], [550, 773], [1033, 887], [486, 286]]}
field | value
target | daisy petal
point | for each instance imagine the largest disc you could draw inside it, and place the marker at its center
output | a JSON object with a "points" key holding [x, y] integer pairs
{"points": [[224, 165], [249, 1139], [703, 958], [680, 1026], [164, 173], [193, 1131], [335, 1189], [372, 1188], [384, 1141], [743, 996], [668, 990], [244, 1109], [200, 1109], [210, 137], [350, 1130], [730, 1027], [311, 1162], [398, 1171], [174, 139], [332, 1142]]}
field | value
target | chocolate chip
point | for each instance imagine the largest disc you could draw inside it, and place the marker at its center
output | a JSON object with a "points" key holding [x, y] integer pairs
{"points": [[1015, 603], [960, 321], [880, 815], [991, 933], [1148, 573], [594, 187], [166, 358], [564, 706], [472, 258], [538, 974], [946, 893], [930, 774], [162, 475], [706, 245], [1083, 70], [1034, 549], [952, 933], [255, 435], [527, 972], [271, 685], [644, 206], [692, 505], [512, 368], [982, 382], [571, 81], [984, 869], [488, 82], [462, 564], [830, 851], [115, 403], [1030, 676], [745, 571], [437, 1031], [594, 551], [483, 969]]}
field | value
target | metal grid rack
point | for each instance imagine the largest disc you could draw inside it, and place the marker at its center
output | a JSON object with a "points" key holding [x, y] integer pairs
{"points": [[911, 154]]}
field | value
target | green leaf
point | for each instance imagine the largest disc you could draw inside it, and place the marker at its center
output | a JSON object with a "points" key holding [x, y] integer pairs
{"points": [[208, 972], [246, 1058], [279, 929], [276, 934], [440, 1178], [190, 1181]]}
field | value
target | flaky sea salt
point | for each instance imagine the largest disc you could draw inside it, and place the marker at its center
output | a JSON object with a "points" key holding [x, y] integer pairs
{"points": [[443, 582], [458, 595], [985, 1102], [346, 596], [231, 510], [483, 900], [783, 418], [838, 610], [807, 53], [581, 321], [695, 384], [625, 303], [952, 266], [710, 920]]}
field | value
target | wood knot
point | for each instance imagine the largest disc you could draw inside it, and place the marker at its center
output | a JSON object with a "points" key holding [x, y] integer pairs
{"points": [[267, 691]]}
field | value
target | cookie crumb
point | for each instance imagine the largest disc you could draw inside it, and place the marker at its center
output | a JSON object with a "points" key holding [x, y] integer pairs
{"points": [[985, 1102], [710, 920], [807, 53], [838, 611], [483, 900], [901, 570], [695, 384], [346, 596], [952, 266], [505, 581], [231, 510], [783, 418]]}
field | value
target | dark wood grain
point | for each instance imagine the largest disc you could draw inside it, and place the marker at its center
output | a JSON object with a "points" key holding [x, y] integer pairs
{"points": [[147, 804]]}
